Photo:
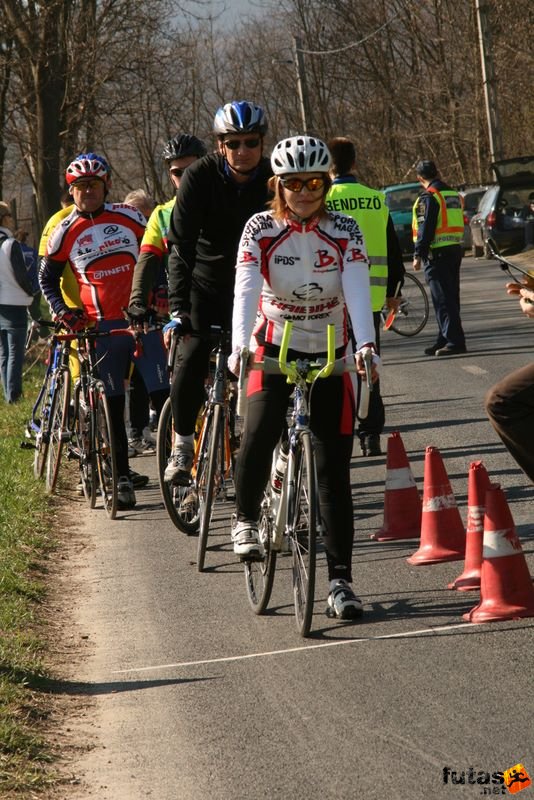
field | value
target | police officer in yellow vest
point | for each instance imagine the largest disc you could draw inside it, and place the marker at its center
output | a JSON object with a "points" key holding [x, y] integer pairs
{"points": [[367, 206], [438, 228]]}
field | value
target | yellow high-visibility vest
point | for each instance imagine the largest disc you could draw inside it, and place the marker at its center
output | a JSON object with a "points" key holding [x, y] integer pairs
{"points": [[450, 224], [368, 207]]}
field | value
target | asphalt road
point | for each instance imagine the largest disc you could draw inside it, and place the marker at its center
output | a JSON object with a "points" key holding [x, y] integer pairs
{"points": [[192, 696]]}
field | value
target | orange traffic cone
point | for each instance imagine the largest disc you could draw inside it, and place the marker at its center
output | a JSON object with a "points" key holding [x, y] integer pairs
{"points": [[478, 483], [442, 530], [506, 590], [402, 504]]}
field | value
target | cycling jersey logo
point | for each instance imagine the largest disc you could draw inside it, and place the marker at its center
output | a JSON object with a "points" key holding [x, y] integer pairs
{"points": [[247, 257], [308, 291], [287, 261], [87, 239], [324, 259], [109, 230], [355, 255]]}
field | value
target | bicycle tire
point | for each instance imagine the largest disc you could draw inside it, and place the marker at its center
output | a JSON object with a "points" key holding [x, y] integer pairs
{"points": [[303, 510], [259, 575], [208, 467], [181, 502], [83, 451], [413, 312], [59, 419], [42, 412], [104, 445]]}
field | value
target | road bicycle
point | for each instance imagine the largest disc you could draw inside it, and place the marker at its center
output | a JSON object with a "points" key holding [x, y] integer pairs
{"points": [[412, 315], [93, 441], [290, 518], [49, 423], [216, 441]]}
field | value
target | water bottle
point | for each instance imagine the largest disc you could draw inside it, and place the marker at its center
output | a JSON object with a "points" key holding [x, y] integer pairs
{"points": [[279, 470]]}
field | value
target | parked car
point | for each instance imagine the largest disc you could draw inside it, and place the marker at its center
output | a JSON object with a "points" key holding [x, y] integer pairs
{"points": [[503, 209], [400, 198], [471, 198]]}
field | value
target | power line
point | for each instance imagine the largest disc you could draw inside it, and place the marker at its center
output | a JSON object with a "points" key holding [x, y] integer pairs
{"points": [[352, 44]]}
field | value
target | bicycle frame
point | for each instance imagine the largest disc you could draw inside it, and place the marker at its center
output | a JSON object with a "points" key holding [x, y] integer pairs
{"points": [[292, 521]]}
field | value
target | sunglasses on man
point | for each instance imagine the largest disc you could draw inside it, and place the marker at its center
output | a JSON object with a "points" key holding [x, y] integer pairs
{"points": [[235, 144], [177, 172], [297, 184]]}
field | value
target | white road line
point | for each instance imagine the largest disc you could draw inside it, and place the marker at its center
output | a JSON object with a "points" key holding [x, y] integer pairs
{"points": [[475, 370], [337, 643]]}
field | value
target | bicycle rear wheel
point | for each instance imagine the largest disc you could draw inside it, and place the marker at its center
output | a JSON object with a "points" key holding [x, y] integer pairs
{"points": [[181, 502], [105, 452], [42, 437], [303, 511], [59, 423], [81, 447], [209, 474], [259, 575], [412, 315]]}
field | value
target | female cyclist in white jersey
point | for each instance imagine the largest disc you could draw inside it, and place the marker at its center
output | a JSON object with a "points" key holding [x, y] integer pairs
{"points": [[299, 262]]}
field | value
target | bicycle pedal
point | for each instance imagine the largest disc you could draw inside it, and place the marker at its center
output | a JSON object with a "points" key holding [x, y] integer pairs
{"points": [[252, 557], [27, 446]]}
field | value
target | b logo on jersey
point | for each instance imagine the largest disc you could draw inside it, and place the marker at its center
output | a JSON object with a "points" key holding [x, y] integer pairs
{"points": [[355, 255], [324, 259], [247, 257]]}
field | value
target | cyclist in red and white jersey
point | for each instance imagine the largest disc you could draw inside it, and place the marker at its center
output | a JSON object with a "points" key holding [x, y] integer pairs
{"points": [[100, 242], [302, 263]]}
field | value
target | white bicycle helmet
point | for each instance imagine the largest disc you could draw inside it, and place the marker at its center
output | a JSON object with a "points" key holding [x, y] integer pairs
{"points": [[300, 154], [240, 116], [88, 165]]}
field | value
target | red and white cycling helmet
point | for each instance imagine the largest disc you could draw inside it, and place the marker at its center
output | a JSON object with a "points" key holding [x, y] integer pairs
{"points": [[88, 165], [300, 154]]}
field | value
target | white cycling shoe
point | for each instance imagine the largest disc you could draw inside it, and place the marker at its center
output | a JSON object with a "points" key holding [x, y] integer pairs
{"points": [[246, 540], [342, 602]]}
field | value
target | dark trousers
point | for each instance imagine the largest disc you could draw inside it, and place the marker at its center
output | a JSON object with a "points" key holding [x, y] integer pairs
{"points": [[442, 273], [376, 415], [193, 355], [510, 407]]}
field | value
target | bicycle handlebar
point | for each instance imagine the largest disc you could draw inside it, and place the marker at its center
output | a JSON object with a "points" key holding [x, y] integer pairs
{"points": [[292, 370]]}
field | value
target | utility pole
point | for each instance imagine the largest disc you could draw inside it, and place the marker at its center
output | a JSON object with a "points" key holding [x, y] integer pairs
{"points": [[488, 80], [302, 86]]}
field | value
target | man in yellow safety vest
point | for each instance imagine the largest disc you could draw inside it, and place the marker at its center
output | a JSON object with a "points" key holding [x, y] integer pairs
{"points": [[437, 230], [368, 207]]}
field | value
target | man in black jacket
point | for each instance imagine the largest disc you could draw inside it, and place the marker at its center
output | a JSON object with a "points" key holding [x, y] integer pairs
{"points": [[217, 196]]}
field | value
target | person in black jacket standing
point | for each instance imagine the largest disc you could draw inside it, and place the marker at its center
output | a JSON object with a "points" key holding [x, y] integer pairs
{"points": [[217, 195]]}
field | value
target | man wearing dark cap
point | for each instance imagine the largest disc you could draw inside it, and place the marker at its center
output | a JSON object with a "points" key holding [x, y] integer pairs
{"points": [[438, 228]]}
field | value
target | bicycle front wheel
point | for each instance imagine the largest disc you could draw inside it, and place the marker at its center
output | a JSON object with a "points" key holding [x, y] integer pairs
{"points": [[209, 475], [259, 575], [303, 514], [81, 447], [412, 315], [105, 452], [181, 502], [59, 424], [42, 419]]}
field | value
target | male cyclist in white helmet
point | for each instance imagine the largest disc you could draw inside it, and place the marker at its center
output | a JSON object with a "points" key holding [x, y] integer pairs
{"points": [[217, 195]]}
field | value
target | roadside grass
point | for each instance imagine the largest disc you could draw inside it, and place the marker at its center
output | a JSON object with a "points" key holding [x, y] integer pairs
{"points": [[25, 540]]}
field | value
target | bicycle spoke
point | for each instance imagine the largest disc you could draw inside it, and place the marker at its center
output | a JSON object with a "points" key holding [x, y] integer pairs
{"points": [[413, 312], [259, 575], [58, 431], [105, 453], [303, 533], [181, 502]]}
